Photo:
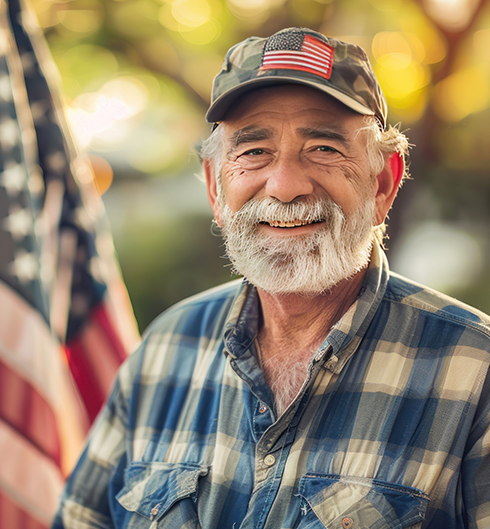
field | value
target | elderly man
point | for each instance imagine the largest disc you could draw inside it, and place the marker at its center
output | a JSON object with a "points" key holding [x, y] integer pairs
{"points": [[322, 390]]}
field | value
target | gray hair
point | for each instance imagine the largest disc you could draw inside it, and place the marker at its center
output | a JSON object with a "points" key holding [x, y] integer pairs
{"points": [[381, 144], [212, 149]]}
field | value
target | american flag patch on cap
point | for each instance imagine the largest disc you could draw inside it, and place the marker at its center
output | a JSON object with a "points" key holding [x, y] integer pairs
{"points": [[297, 51]]}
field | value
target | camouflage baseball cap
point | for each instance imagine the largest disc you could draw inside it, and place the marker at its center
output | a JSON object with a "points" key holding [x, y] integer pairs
{"points": [[303, 56]]}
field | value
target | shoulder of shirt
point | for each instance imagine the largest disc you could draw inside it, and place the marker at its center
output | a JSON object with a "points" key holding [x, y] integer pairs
{"points": [[185, 329], [220, 298], [423, 298]]}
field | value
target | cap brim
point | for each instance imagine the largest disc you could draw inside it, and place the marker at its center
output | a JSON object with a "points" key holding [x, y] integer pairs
{"points": [[217, 111]]}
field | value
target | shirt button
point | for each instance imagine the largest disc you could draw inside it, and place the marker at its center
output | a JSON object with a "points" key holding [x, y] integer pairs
{"points": [[155, 510], [262, 409], [269, 460]]}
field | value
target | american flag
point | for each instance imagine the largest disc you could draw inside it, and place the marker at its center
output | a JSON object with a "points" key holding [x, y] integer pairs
{"points": [[66, 321], [298, 51]]}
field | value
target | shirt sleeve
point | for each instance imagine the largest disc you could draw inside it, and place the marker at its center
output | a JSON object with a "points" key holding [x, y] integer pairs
{"points": [[85, 501]]}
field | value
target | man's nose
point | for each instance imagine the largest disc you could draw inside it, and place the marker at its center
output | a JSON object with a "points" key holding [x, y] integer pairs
{"points": [[288, 179]]}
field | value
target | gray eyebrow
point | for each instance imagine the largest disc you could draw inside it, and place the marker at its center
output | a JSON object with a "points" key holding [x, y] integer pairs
{"points": [[323, 133], [248, 135], [253, 133]]}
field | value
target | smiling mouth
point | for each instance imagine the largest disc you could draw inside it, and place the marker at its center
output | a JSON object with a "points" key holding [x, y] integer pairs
{"points": [[291, 224]]}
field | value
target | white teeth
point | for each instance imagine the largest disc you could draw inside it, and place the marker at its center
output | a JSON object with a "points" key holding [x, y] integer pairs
{"points": [[293, 224]]}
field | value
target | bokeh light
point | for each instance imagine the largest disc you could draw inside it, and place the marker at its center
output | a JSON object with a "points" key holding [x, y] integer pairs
{"points": [[191, 13], [203, 34], [462, 93], [86, 19], [84, 66], [442, 255], [100, 114], [193, 20], [453, 14], [103, 174], [401, 72], [434, 45], [251, 8]]}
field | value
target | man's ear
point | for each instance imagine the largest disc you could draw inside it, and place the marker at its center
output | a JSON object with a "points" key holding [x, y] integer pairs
{"points": [[212, 190], [388, 182]]}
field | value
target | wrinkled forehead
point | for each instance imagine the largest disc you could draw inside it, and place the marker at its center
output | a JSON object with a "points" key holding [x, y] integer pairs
{"points": [[266, 112]]}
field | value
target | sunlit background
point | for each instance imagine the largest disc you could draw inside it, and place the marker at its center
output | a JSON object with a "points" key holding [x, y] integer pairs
{"points": [[136, 76]]}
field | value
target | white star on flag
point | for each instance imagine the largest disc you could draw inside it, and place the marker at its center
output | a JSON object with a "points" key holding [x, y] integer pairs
{"points": [[9, 133], [13, 178], [19, 223], [5, 88], [25, 266]]}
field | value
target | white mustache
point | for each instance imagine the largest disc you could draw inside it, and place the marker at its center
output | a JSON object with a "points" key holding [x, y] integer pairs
{"points": [[296, 213]]}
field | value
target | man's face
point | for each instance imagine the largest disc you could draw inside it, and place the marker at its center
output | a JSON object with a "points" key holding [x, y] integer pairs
{"points": [[296, 196]]}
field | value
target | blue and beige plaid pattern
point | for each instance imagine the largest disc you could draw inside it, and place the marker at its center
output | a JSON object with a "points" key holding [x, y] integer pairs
{"points": [[390, 430]]}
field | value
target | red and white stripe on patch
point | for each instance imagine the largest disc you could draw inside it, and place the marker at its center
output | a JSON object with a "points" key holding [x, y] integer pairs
{"points": [[314, 57]]}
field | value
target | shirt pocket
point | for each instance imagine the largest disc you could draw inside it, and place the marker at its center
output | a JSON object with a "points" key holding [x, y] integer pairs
{"points": [[345, 502], [161, 494]]}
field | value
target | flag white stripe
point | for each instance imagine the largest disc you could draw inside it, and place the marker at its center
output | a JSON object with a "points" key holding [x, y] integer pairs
{"points": [[299, 60], [28, 348], [27, 476], [321, 58], [312, 66], [318, 49]]}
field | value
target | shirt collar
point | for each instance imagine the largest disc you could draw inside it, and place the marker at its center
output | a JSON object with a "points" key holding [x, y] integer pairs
{"points": [[344, 337]]}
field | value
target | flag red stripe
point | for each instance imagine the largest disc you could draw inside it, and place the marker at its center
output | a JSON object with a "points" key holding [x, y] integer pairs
{"points": [[303, 69], [27, 476], [92, 395], [318, 54], [25, 410], [12, 516], [94, 356], [313, 41], [101, 315], [326, 50]]}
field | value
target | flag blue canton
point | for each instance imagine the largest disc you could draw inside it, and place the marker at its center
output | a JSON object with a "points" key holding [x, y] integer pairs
{"points": [[292, 40]]}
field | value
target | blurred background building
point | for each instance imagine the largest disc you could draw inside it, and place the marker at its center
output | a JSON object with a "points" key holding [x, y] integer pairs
{"points": [[136, 77]]}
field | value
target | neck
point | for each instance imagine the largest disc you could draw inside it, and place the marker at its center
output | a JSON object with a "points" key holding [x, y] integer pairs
{"points": [[296, 316], [292, 328]]}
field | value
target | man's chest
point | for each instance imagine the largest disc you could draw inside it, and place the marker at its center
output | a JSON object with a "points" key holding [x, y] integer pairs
{"points": [[345, 454]]}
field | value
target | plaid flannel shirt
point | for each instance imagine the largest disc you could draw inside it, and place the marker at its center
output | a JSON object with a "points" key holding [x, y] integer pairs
{"points": [[390, 430]]}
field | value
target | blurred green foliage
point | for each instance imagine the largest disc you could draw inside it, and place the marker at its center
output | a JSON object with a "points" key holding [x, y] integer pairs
{"points": [[137, 76], [164, 264]]}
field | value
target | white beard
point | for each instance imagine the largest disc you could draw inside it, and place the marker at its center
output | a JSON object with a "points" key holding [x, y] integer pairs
{"points": [[301, 264]]}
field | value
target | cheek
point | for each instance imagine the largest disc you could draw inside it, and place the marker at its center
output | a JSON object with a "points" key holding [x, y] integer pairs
{"points": [[233, 172], [238, 186], [358, 187]]}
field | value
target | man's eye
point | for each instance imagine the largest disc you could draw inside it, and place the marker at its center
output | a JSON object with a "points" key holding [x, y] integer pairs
{"points": [[254, 152], [326, 148]]}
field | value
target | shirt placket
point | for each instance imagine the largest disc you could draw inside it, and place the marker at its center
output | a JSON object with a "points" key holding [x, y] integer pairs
{"points": [[273, 449]]}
